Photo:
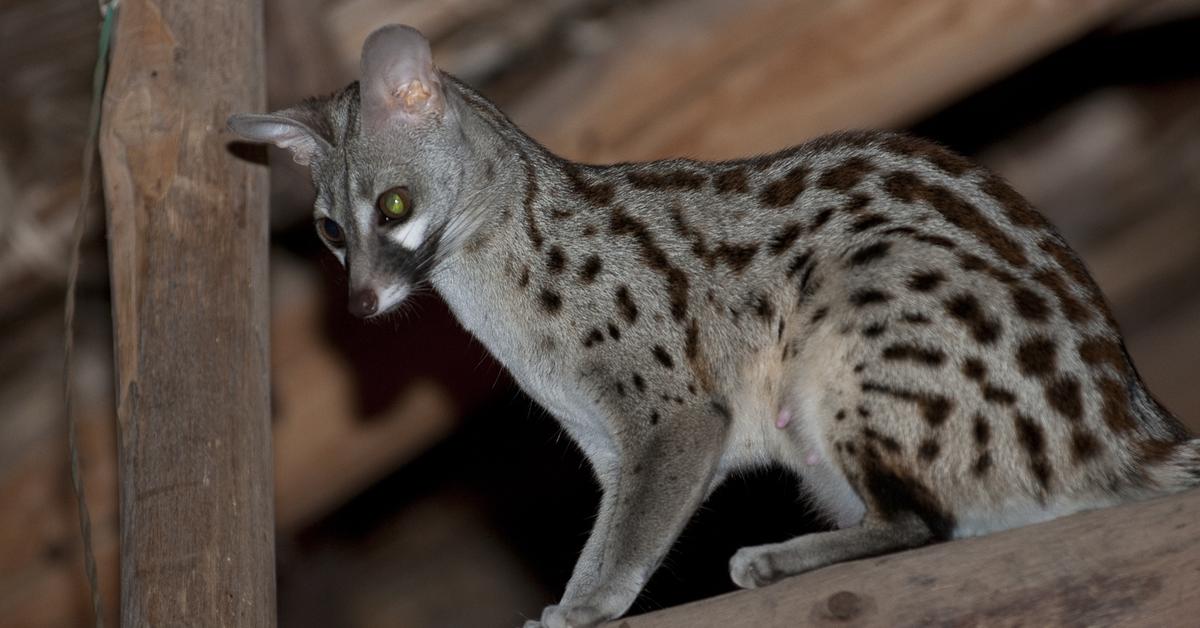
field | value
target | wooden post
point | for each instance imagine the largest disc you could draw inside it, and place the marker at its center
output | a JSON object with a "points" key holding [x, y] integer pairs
{"points": [[187, 225]]}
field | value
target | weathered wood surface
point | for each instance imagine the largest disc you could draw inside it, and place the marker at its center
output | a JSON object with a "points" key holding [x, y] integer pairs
{"points": [[1134, 565], [187, 227], [721, 79]]}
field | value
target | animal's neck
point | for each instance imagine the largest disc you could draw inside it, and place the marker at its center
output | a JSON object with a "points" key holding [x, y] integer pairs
{"points": [[492, 211]]}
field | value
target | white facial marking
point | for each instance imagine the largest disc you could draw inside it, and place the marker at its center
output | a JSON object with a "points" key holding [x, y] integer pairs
{"points": [[391, 295], [411, 234]]}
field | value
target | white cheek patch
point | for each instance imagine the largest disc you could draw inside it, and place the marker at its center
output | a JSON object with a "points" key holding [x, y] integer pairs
{"points": [[411, 234], [391, 295]]}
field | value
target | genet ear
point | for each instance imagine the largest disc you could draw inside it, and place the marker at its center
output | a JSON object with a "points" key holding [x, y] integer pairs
{"points": [[399, 82], [285, 129]]}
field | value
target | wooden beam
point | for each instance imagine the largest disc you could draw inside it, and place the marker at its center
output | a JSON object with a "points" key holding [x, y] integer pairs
{"points": [[187, 226], [714, 79], [1134, 565]]}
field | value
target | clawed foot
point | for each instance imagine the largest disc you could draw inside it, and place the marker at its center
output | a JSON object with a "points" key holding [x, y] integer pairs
{"points": [[559, 616], [753, 567]]}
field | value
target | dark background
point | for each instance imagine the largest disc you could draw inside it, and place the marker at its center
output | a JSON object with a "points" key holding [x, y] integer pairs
{"points": [[416, 486]]}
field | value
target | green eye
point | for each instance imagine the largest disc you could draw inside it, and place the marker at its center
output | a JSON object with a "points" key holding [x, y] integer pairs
{"points": [[395, 204]]}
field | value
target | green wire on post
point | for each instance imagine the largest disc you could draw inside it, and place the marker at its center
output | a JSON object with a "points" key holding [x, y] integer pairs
{"points": [[109, 11]]}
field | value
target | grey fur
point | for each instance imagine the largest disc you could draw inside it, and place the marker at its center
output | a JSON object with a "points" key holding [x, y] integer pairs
{"points": [[915, 331]]}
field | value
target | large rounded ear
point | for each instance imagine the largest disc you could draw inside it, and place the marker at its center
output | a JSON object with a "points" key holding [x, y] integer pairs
{"points": [[398, 81], [285, 129]]}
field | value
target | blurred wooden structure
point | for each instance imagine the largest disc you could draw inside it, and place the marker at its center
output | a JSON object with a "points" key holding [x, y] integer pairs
{"points": [[597, 80], [188, 241]]}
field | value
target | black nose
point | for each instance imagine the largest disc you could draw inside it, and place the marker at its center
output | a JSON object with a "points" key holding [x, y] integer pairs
{"points": [[364, 303]]}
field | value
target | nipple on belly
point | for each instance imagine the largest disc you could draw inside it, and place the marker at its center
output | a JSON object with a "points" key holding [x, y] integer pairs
{"points": [[785, 417]]}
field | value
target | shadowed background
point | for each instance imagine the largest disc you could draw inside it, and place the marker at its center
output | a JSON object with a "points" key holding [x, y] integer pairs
{"points": [[415, 485]]}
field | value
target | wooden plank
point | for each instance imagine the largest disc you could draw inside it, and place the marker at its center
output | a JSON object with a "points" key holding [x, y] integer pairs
{"points": [[715, 79], [1134, 565], [187, 227]]}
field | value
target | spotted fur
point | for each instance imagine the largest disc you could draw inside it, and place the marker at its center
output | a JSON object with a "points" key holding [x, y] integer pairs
{"points": [[884, 317]]}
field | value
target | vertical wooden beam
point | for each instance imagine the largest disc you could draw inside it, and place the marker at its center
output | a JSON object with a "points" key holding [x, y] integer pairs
{"points": [[187, 228]]}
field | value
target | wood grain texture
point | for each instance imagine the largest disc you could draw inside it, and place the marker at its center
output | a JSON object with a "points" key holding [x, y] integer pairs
{"points": [[1134, 565], [187, 227], [717, 80]]}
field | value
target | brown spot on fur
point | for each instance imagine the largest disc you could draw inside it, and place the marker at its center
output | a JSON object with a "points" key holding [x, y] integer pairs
{"points": [[593, 337], [915, 318], [1084, 445], [926, 280], [1072, 309], [685, 231], [626, 305], [1033, 441], [556, 260], [907, 187], [591, 267], [1114, 406], [895, 493], [887, 442], [819, 314], [936, 240], [966, 309], [983, 464], [1152, 453], [981, 430], [840, 416], [869, 221], [874, 330], [733, 180], [1029, 304], [785, 237], [820, 219], [654, 257], [974, 369], [798, 263], [763, 308], [856, 203], [598, 193], [639, 383], [868, 296], [913, 353], [1037, 357], [928, 450], [971, 262], [676, 179], [736, 256], [1063, 394], [1097, 351], [942, 158], [524, 279], [663, 357], [870, 253], [934, 408], [1018, 210], [995, 394], [846, 175], [551, 301], [1078, 272], [531, 190], [784, 191]]}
